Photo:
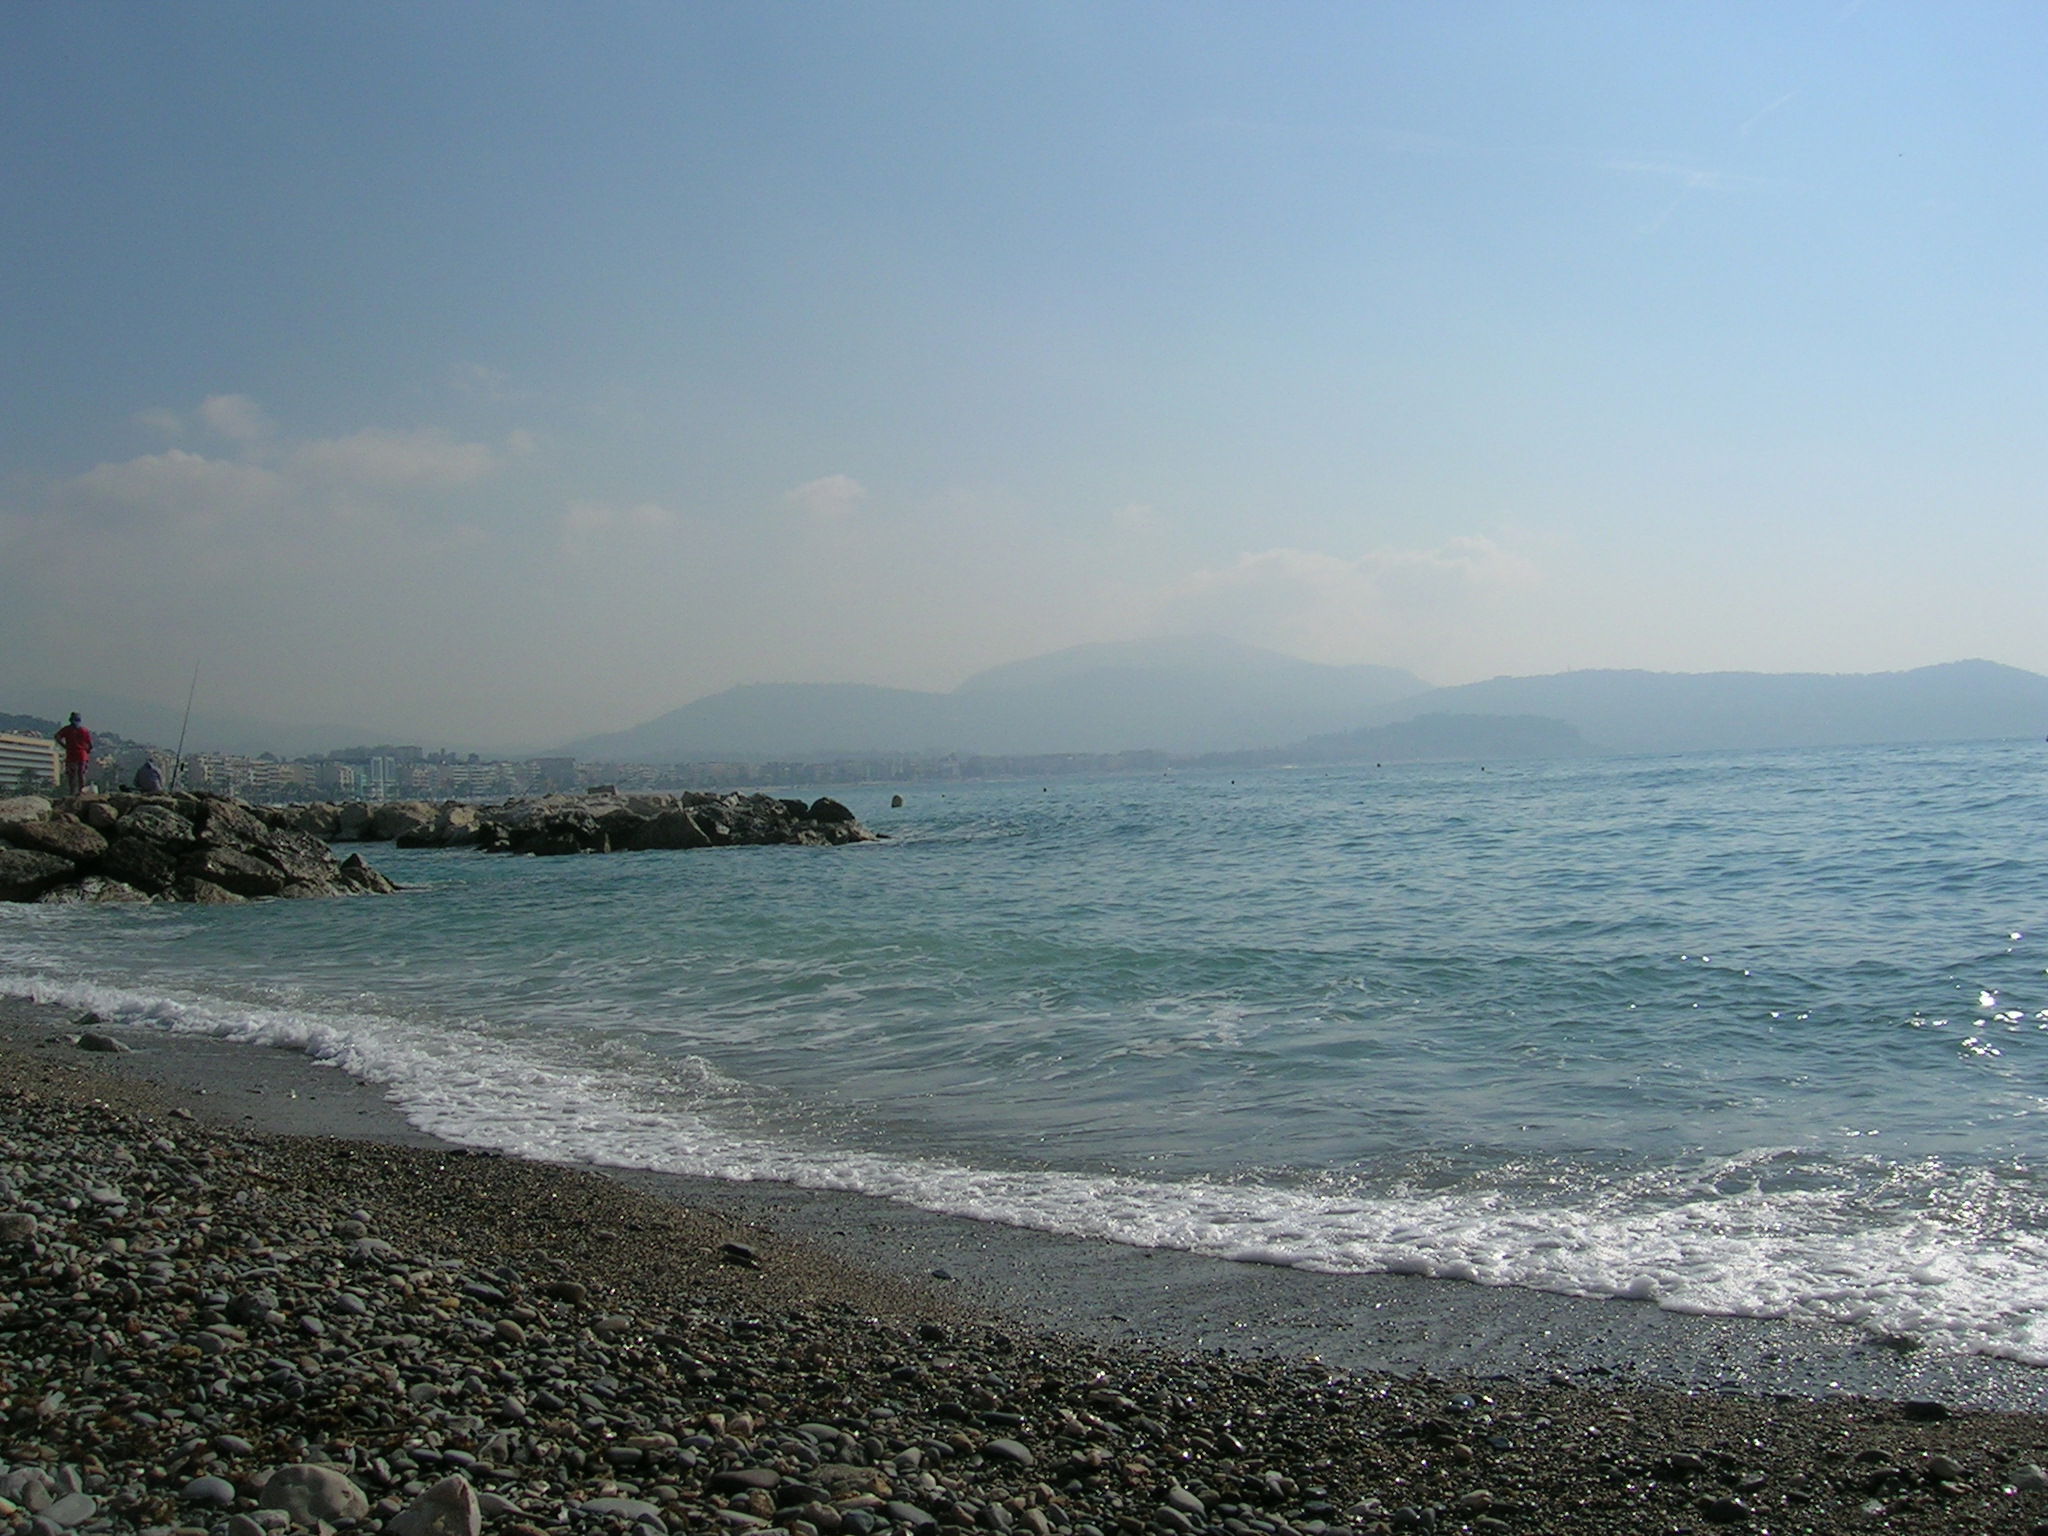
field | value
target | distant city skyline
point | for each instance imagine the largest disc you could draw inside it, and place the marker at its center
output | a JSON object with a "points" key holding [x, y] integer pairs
{"points": [[499, 376]]}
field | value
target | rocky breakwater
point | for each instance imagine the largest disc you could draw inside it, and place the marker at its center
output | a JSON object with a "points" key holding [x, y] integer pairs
{"points": [[182, 847], [600, 821]]}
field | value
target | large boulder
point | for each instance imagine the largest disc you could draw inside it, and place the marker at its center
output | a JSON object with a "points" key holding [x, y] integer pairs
{"points": [[148, 866], [356, 875], [25, 873], [233, 869], [24, 808], [298, 856], [320, 819], [64, 835], [157, 822], [224, 823], [673, 828], [400, 818]]}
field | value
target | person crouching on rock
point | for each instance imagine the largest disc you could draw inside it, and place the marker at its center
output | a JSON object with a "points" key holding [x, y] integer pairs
{"points": [[76, 741], [149, 778]]}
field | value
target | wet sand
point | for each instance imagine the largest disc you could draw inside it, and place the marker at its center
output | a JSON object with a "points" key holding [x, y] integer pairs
{"points": [[1105, 1291], [234, 1259]]}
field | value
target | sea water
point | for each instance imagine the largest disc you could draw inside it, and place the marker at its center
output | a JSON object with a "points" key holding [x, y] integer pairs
{"points": [[1750, 1034]]}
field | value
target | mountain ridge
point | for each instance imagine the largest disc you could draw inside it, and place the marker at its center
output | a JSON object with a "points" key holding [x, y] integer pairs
{"points": [[1199, 696]]}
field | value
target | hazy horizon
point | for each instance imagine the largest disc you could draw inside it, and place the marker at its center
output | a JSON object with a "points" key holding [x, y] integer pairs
{"points": [[507, 375]]}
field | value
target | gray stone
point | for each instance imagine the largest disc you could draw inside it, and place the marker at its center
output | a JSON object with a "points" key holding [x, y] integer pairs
{"points": [[26, 873], [1013, 1452], [449, 1508], [93, 891], [631, 1509], [158, 823], [232, 869], [308, 1492], [356, 875], [72, 1509], [65, 836], [400, 818], [740, 1479], [224, 823], [216, 1492], [146, 865]]}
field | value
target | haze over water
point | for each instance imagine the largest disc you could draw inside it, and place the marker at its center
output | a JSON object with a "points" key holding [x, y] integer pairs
{"points": [[1755, 1034]]}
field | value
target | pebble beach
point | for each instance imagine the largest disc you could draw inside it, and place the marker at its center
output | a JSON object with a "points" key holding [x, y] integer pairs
{"points": [[232, 1311]]}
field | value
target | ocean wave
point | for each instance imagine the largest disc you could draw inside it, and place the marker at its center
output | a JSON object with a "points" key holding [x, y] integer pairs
{"points": [[1923, 1251]]}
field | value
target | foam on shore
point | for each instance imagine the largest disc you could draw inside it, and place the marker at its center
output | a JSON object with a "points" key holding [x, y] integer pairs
{"points": [[1179, 1299]]}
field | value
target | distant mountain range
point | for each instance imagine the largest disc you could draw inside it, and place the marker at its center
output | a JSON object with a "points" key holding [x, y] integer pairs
{"points": [[1707, 711], [1207, 696], [1182, 696]]}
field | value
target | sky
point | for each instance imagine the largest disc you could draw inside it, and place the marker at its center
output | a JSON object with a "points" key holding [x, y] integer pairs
{"points": [[486, 375]]}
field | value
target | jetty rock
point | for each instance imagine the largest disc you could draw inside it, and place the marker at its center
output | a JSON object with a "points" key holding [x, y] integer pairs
{"points": [[189, 846], [596, 821]]}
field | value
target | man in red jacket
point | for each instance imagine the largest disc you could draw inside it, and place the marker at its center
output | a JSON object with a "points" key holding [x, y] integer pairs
{"points": [[76, 741]]}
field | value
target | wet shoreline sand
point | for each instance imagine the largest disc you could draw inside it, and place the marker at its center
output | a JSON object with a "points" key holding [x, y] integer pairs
{"points": [[1108, 1291], [1510, 1411]]}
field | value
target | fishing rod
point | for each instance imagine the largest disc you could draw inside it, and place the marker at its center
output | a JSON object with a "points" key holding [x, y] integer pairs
{"points": [[178, 768]]}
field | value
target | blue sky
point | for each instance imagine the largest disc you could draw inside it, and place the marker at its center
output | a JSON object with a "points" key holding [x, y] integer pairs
{"points": [[489, 374]]}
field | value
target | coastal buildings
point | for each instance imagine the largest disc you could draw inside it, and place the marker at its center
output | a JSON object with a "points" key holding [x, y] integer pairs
{"points": [[27, 763]]}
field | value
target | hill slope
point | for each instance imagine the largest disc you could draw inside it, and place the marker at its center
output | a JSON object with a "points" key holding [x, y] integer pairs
{"points": [[1704, 711], [1184, 696]]}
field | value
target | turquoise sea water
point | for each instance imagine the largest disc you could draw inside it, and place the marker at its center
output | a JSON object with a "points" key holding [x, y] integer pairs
{"points": [[1759, 1034]]}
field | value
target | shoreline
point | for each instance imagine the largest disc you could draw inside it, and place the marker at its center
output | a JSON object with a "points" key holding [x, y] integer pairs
{"points": [[334, 1288], [1111, 1293]]}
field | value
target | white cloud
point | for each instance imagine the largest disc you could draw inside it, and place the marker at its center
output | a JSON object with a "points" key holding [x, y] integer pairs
{"points": [[265, 474], [235, 417], [1388, 604], [830, 499], [177, 486], [375, 459], [588, 523]]}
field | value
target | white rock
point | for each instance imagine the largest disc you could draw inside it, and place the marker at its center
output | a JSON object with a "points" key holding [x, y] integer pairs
{"points": [[449, 1508], [309, 1492]]}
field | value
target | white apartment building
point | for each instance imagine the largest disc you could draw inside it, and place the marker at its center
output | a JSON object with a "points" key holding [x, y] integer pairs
{"points": [[27, 762]]}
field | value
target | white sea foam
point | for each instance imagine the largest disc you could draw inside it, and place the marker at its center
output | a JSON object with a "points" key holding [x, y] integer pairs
{"points": [[1514, 1030], [1669, 1236]]}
